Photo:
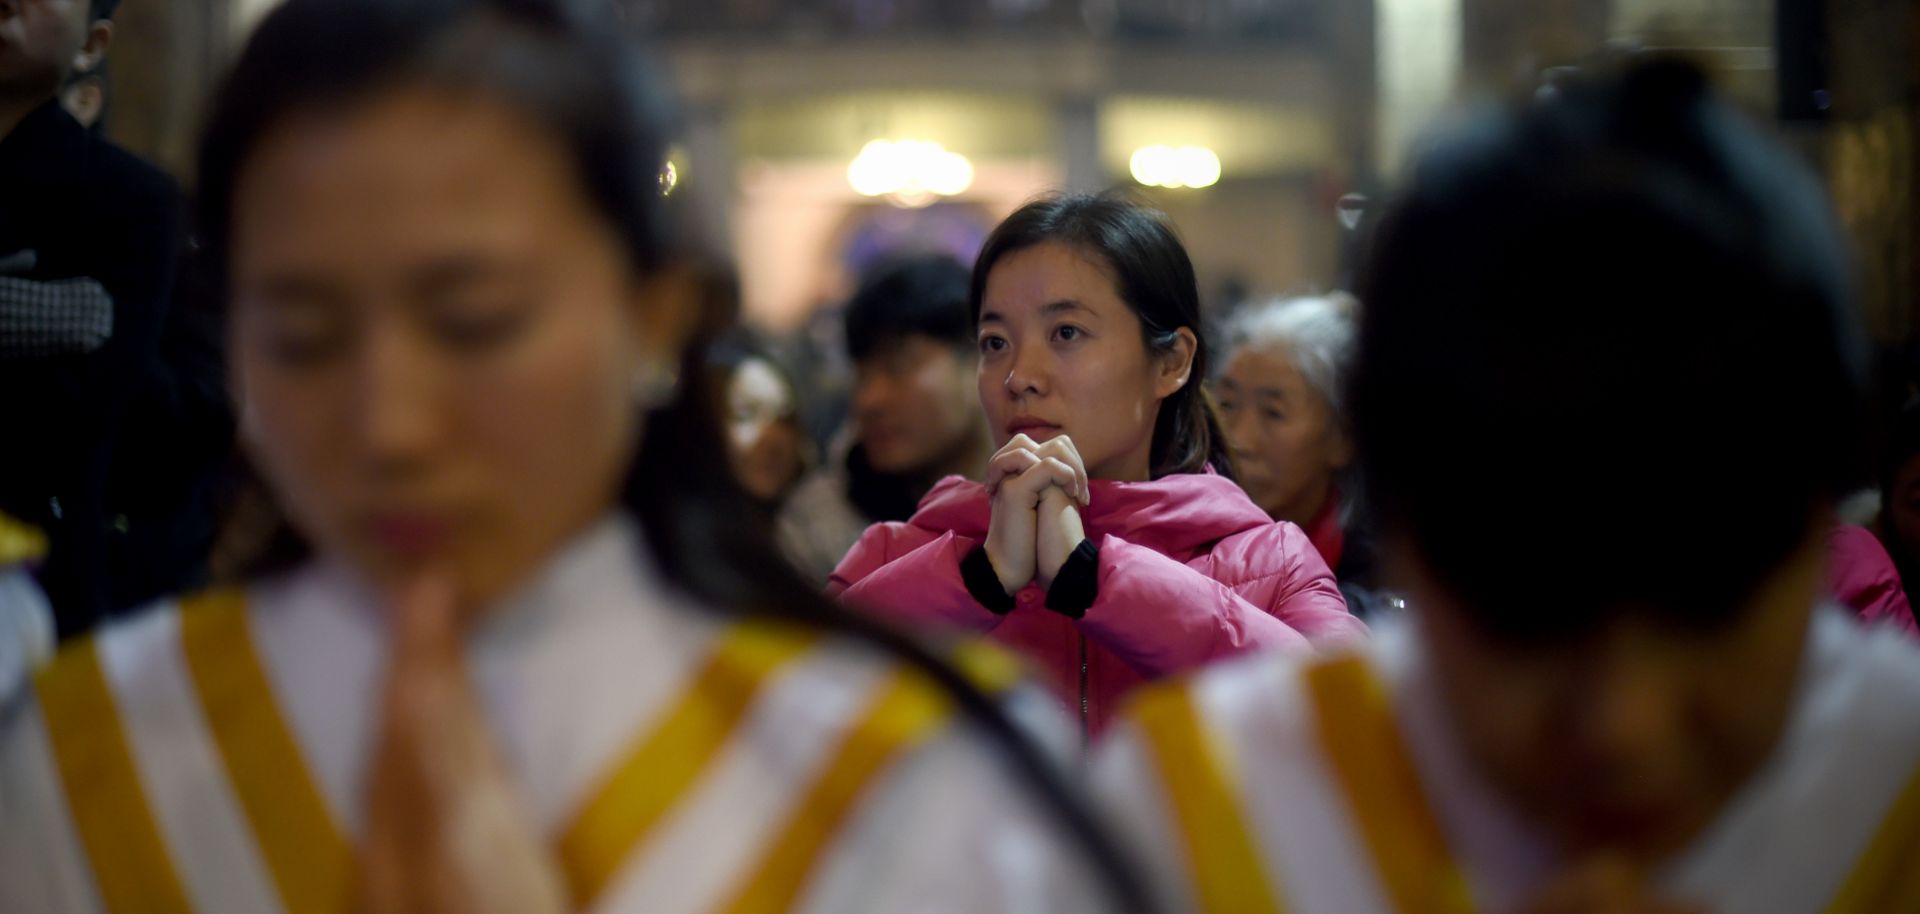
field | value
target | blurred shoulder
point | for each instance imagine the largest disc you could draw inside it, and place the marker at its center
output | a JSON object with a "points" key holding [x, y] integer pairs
{"points": [[131, 180], [1269, 705], [824, 677]]}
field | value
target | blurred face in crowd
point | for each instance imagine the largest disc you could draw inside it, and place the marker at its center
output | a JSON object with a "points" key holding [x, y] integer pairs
{"points": [[1062, 354], [913, 404], [1287, 444], [1631, 738], [436, 336], [41, 41], [763, 436]]}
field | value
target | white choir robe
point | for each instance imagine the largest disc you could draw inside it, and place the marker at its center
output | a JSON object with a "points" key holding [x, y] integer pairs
{"points": [[1333, 785], [213, 759]]}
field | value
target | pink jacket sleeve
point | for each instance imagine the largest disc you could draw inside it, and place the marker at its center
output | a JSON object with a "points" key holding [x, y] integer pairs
{"points": [[912, 576], [1163, 616], [1862, 577]]}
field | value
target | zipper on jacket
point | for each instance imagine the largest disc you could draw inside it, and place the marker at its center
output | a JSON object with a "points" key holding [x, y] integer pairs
{"points": [[1086, 731]]}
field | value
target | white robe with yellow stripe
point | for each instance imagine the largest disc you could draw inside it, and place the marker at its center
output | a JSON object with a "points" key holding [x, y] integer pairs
{"points": [[211, 759], [1332, 785]]}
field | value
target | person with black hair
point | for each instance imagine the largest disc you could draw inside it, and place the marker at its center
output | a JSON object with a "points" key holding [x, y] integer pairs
{"points": [[914, 419], [88, 239], [1588, 317], [1107, 541], [759, 412], [520, 648]]}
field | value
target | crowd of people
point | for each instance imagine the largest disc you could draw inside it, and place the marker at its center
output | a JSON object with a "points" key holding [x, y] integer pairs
{"points": [[489, 566]]}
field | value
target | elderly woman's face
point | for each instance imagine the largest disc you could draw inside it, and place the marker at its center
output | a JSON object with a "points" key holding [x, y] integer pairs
{"points": [[1287, 444]]}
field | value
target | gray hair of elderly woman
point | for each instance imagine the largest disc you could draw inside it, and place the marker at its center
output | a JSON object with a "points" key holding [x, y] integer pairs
{"points": [[1316, 333]]}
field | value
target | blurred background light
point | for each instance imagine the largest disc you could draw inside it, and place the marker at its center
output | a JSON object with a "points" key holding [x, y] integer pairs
{"points": [[1165, 166], [909, 173], [1300, 102]]}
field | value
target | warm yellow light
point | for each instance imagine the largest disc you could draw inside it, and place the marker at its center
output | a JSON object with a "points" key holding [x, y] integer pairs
{"points": [[1199, 167], [1148, 165], [1165, 166], [912, 172], [875, 170], [946, 173], [673, 170]]}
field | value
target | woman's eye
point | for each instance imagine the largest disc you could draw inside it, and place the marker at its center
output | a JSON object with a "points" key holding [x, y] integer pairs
{"points": [[1273, 414], [302, 349], [992, 344], [300, 340], [480, 330], [1068, 334]]}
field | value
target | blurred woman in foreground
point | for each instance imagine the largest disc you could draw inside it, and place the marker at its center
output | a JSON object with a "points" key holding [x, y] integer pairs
{"points": [[504, 677]]}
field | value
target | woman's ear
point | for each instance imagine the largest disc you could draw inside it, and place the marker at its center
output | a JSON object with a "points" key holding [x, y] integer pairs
{"points": [[99, 38], [1176, 363], [1340, 454], [668, 309]]}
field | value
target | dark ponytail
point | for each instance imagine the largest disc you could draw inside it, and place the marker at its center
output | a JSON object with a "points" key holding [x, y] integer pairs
{"points": [[584, 79], [1153, 275]]}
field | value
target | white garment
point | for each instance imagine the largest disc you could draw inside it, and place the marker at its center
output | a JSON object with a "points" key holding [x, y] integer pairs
{"points": [[26, 629], [571, 672], [1785, 844]]}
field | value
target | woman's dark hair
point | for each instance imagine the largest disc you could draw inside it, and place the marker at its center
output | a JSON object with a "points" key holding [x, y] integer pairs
{"points": [[1607, 360], [730, 346], [580, 73], [1152, 274]]}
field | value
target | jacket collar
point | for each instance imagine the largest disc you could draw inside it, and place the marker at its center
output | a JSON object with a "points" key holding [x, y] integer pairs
{"points": [[1177, 513]]}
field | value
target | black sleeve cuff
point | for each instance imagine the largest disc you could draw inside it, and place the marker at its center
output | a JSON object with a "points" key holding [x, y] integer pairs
{"points": [[1078, 583], [984, 583]]}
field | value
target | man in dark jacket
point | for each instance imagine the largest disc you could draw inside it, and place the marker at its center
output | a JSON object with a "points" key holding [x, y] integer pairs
{"points": [[915, 410], [95, 422]]}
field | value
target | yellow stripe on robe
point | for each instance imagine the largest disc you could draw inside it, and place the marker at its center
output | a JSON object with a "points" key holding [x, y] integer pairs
{"points": [[131, 865]]}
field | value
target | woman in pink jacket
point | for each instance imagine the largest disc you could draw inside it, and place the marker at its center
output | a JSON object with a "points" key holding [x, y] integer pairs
{"points": [[1108, 542]]}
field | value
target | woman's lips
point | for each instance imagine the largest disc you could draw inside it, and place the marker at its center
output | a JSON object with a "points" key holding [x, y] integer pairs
{"points": [[410, 533], [1032, 428]]}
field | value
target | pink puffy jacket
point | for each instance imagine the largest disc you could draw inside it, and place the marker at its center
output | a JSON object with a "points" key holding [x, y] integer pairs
{"points": [[1190, 570]]}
